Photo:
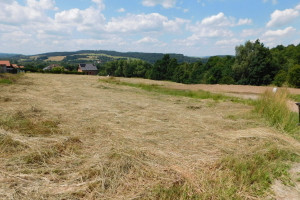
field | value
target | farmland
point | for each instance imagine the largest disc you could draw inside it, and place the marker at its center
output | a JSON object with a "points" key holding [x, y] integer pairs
{"points": [[78, 137]]}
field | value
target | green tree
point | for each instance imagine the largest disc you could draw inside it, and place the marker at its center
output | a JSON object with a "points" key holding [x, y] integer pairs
{"points": [[163, 69], [280, 78], [254, 64], [294, 76], [58, 70]]}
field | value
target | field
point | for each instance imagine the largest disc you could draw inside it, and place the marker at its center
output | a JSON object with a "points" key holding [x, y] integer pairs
{"points": [[78, 137], [56, 58]]}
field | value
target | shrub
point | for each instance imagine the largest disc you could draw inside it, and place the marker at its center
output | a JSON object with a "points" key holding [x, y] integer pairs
{"points": [[280, 78], [294, 76]]}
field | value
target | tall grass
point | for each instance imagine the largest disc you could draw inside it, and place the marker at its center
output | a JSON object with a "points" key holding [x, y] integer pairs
{"points": [[238, 176], [295, 97], [273, 107]]}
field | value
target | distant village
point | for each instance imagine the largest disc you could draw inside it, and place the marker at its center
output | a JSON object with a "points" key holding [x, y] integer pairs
{"points": [[7, 67]]}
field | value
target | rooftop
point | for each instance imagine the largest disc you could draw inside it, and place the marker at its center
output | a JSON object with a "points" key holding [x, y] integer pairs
{"points": [[88, 67], [5, 62]]}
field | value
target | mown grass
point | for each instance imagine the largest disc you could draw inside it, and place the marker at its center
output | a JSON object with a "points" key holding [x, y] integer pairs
{"points": [[200, 94], [70, 146], [9, 145], [273, 107], [235, 176], [29, 124]]}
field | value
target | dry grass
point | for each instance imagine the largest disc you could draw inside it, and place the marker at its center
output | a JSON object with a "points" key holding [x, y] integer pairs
{"points": [[30, 123], [120, 142], [9, 145]]}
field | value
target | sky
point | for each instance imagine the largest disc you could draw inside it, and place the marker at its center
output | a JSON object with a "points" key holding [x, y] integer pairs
{"points": [[190, 27]]}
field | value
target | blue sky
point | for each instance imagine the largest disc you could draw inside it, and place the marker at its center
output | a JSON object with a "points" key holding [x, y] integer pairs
{"points": [[191, 27]]}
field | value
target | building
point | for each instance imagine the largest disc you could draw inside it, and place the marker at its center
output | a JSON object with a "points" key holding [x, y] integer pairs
{"points": [[50, 67], [4, 65], [88, 69]]}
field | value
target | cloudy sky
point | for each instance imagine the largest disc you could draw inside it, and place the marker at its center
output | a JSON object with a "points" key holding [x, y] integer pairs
{"points": [[190, 27]]}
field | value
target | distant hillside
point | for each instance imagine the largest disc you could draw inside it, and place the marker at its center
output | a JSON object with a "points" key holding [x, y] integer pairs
{"points": [[7, 55], [105, 56]]}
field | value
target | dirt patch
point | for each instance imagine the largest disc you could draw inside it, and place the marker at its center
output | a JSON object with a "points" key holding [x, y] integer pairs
{"points": [[284, 192]]}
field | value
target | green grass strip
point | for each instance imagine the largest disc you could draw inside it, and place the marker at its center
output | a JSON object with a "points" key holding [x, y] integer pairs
{"points": [[5, 81], [295, 97], [200, 94]]}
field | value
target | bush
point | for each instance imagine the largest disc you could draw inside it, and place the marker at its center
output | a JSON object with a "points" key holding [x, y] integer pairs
{"points": [[294, 76], [280, 78]]}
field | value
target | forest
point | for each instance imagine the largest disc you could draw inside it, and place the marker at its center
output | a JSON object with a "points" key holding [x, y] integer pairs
{"points": [[253, 64]]}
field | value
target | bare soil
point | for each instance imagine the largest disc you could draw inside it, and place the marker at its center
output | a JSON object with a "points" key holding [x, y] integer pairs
{"points": [[118, 142]]}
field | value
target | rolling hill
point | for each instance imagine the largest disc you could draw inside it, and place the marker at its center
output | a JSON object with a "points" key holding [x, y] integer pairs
{"points": [[100, 56]]}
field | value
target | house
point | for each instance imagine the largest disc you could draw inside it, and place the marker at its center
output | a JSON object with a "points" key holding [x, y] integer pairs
{"points": [[17, 69], [88, 69], [50, 67], [4, 65]]}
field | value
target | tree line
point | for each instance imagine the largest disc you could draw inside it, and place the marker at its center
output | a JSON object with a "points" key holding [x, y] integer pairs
{"points": [[253, 64]]}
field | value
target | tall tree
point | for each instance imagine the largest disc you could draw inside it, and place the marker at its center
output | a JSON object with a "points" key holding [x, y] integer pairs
{"points": [[254, 64]]}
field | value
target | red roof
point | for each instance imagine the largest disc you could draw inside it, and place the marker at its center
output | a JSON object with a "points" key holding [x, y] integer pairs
{"points": [[5, 62]]}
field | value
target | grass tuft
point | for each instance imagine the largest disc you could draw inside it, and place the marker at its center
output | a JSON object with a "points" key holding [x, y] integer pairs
{"points": [[9, 145], [273, 107], [235, 177], [29, 124]]}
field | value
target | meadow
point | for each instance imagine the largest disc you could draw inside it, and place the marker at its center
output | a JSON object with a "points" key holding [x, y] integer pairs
{"points": [[91, 137]]}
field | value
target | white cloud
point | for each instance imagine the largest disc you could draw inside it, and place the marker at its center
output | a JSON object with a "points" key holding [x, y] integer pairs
{"points": [[100, 4], [244, 22], [14, 13], [147, 40], [88, 19], [164, 3], [211, 32], [273, 1], [143, 23], [222, 20], [229, 42], [284, 17], [250, 32], [216, 26], [280, 32], [121, 10], [217, 20], [42, 4]]}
